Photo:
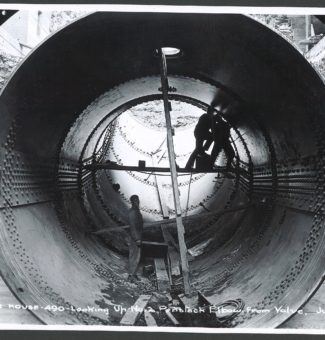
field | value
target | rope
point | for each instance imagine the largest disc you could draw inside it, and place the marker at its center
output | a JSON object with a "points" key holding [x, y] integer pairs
{"points": [[237, 305], [188, 194], [159, 147], [154, 152]]}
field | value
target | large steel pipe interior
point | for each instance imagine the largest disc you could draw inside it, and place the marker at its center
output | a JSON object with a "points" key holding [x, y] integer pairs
{"points": [[74, 100]]}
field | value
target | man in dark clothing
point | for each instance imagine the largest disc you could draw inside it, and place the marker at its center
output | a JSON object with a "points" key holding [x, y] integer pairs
{"points": [[211, 129], [135, 237], [222, 141], [203, 132]]}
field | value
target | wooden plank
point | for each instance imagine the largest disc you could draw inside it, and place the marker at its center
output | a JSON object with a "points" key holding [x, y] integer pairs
{"points": [[183, 255], [133, 313], [169, 263], [169, 268], [174, 262], [203, 300], [172, 254], [169, 297], [172, 318], [170, 221], [161, 275], [169, 239], [150, 320], [172, 164], [188, 301]]}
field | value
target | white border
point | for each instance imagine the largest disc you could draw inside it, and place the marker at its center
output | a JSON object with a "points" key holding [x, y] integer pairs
{"points": [[146, 329], [166, 9], [170, 8]]}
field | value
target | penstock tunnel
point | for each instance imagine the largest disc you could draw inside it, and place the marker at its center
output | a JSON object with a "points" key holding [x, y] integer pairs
{"points": [[92, 92]]}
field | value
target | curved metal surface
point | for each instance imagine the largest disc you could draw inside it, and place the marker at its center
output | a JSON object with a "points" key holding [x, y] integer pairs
{"points": [[58, 104]]}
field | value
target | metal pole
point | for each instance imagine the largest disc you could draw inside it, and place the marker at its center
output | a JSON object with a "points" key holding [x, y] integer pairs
{"points": [[172, 162]]}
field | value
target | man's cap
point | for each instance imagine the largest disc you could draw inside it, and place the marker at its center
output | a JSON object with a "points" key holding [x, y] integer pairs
{"points": [[134, 197]]}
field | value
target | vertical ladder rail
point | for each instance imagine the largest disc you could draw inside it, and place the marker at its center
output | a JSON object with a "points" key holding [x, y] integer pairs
{"points": [[173, 261], [160, 190], [172, 162], [164, 211]]}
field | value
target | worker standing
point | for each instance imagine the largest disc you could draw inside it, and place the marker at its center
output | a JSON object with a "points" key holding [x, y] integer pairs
{"points": [[222, 141], [135, 237]]}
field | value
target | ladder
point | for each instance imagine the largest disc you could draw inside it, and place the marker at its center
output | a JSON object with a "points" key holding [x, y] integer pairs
{"points": [[173, 169]]}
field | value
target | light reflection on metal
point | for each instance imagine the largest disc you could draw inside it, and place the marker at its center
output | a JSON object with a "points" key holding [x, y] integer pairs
{"points": [[169, 52]]}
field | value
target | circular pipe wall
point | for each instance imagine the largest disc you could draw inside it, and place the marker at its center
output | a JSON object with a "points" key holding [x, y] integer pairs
{"points": [[63, 97]]}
